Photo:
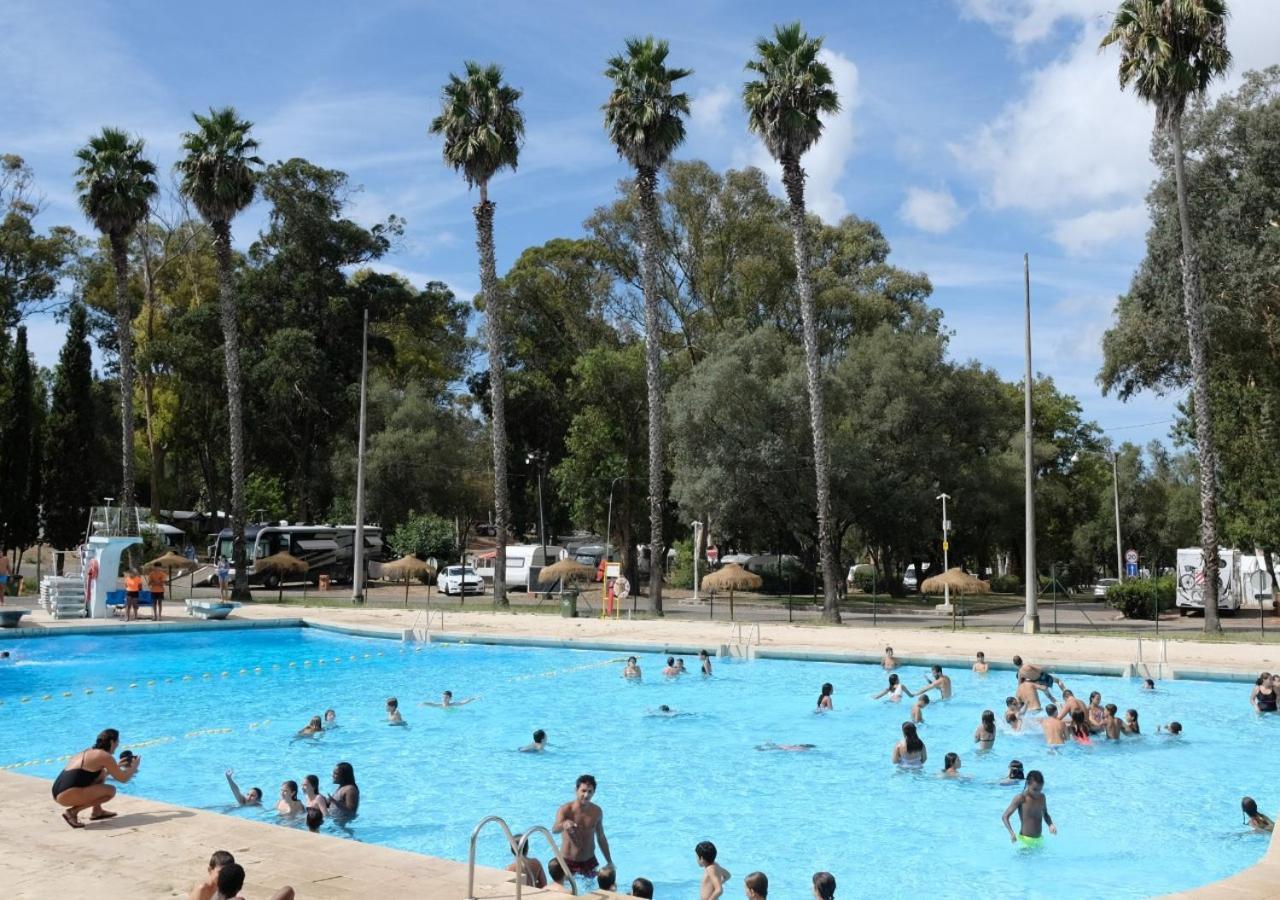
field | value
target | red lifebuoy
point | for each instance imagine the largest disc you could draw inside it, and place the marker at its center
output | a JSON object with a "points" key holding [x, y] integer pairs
{"points": [[91, 575]]}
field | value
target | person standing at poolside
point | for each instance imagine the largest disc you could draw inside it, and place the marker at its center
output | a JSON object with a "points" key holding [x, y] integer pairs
{"points": [[985, 734], [889, 662], [1055, 730], [939, 681], [4, 573], [824, 699], [581, 823], [1033, 813], [80, 785], [1256, 820], [910, 752], [632, 670], [980, 666], [344, 803], [132, 593], [705, 658], [156, 585], [224, 573]]}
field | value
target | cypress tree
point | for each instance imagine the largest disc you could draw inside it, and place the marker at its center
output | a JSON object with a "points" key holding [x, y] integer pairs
{"points": [[19, 514], [70, 442]]}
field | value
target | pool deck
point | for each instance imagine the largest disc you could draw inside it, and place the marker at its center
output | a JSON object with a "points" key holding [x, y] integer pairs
{"points": [[45, 858]]}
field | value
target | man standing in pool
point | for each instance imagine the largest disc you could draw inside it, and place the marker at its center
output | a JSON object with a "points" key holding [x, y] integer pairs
{"points": [[1033, 813], [582, 824]]}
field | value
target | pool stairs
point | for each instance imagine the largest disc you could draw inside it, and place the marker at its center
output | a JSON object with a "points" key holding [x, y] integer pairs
{"points": [[420, 632], [517, 851], [744, 638]]}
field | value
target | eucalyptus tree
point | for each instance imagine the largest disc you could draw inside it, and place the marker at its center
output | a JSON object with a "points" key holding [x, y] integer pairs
{"points": [[785, 105], [644, 117], [482, 128], [1169, 52], [116, 184], [219, 175]]}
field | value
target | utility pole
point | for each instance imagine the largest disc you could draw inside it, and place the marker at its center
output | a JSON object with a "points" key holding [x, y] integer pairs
{"points": [[1115, 490], [946, 565], [1031, 623], [357, 574]]}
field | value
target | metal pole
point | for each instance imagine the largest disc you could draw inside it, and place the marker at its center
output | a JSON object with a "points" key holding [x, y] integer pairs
{"points": [[946, 565], [874, 569], [697, 535], [608, 528], [1115, 490], [542, 522], [357, 574], [1031, 625]]}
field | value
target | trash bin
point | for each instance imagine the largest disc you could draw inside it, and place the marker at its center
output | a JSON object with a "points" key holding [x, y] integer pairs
{"points": [[324, 582], [569, 605]]}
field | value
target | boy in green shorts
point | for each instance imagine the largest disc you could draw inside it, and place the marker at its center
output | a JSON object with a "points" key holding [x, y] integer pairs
{"points": [[1033, 813]]}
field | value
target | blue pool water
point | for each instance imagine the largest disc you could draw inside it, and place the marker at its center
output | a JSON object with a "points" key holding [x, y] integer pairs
{"points": [[1148, 816]]}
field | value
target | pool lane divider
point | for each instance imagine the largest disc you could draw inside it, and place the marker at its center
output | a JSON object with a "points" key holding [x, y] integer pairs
{"points": [[138, 745]]}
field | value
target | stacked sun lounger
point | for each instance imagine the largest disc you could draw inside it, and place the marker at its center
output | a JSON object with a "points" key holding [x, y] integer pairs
{"points": [[62, 596]]}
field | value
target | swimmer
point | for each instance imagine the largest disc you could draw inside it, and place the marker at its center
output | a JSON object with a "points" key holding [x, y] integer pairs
{"points": [[714, 875], [315, 799], [824, 698], [312, 728], [889, 661], [447, 701], [1110, 724], [1013, 711], [895, 690], [1071, 704], [330, 719], [529, 866], [393, 712], [666, 712], [1028, 695], [1096, 713], [288, 804], [705, 658], [1263, 697], [1130, 725], [632, 671], [1173, 729], [672, 670], [939, 681], [1014, 775], [680, 666], [1080, 728], [918, 707], [539, 743], [756, 886], [951, 765], [1039, 676], [824, 886], [980, 666], [1256, 820], [315, 819], [1033, 813], [344, 803], [787, 748], [910, 752], [1055, 730], [581, 824], [985, 734], [1148, 684], [555, 877], [253, 798]]}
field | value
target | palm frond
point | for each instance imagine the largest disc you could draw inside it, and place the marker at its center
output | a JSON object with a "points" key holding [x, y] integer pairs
{"points": [[219, 172], [644, 115], [795, 89], [481, 122], [115, 181]]}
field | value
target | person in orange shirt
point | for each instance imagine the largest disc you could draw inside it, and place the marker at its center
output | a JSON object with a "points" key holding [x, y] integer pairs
{"points": [[155, 582], [132, 591]]}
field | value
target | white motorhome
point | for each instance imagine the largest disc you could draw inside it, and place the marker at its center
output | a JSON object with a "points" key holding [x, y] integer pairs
{"points": [[1256, 588], [523, 563], [1190, 579]]}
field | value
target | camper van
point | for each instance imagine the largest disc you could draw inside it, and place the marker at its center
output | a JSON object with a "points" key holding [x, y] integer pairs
{"points": [[524, 561], [1190, 576]]}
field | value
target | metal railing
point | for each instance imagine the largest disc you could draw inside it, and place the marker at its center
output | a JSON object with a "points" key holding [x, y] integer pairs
{"points": [[429, 613], [518, 850]]}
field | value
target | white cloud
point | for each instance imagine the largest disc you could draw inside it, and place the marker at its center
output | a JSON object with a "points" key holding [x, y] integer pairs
{"points": [[1028, 21], [933, 211], [1088, 233], [708, 110]]}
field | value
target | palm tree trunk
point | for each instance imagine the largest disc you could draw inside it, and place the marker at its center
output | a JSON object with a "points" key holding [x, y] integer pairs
{"points": [[1198, 336], [793, 181], [647, 190], [497, 389], [235, 406], [124, 337]]}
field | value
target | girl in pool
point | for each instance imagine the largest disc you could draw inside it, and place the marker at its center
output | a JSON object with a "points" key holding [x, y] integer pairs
{"points": [[1096, 713], [1257, 821], [1131, 722], [824, 886], [632, 670], [314, 727], [1080, 727], [951, 765], [824, 699], [985, 734], [895, 690], [910, 752], [311, 790], [288, 804], [1264, 694], [330, 719], [1015, 773]]}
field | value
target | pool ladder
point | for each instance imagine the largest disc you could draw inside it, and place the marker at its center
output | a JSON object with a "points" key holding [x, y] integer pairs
{"points": [[423, 635], [744, 637], [519, 852]]}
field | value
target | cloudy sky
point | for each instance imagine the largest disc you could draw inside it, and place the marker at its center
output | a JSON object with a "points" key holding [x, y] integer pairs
{"points": [[972, 131]]}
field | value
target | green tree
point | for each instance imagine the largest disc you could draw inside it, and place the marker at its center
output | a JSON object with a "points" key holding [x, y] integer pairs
{"points": [[482, 128], [31, 264], [1170, 51], [424, 536], [784, 107], [219, 177], [644, 117], [20, 436], [116, 184], [69, 439]]}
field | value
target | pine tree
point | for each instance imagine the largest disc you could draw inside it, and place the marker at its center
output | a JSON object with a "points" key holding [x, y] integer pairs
{"points": [[68, 487]]}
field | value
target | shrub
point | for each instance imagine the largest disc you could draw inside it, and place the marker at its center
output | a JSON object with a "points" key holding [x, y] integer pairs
{"points": [[680, 574], [867, 583], [1138, 597], [1006, 584]]}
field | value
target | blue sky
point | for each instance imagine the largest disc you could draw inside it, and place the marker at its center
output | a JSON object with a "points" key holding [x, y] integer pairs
{"points": [[972, 131]]}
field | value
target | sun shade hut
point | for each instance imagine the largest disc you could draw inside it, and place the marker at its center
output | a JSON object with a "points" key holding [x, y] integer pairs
{"points": [[171, 561], [731, 578], [958, 580], [280, 565], [566, 571], [408, 568]]}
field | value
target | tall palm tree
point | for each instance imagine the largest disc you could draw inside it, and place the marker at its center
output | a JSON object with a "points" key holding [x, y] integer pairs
{"points": [[116, 184], [219, 175], [482, 128], [784, 107], [1169, 52], [645, 121]]}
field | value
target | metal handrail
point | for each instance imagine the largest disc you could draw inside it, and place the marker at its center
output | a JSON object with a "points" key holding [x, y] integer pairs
{"points": [[518, 851], [428, 613]]}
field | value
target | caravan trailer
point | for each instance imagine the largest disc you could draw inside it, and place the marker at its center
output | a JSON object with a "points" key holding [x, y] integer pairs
{"points": [[1190, 576]]}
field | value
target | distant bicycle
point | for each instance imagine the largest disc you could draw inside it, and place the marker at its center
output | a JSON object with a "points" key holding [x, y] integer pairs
{"points": [[1192, 585]]}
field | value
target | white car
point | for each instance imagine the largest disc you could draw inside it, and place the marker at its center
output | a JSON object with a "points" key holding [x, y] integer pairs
{"points": [[1100, 589], [459, 580]]}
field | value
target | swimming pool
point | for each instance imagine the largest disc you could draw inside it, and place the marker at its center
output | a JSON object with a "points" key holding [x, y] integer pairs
{"points": [[1148, 816]]}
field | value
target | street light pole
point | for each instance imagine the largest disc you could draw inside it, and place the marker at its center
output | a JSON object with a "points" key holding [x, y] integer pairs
{"points": [[536, 458], [697, 535], [357, 574], [1031, 623], [1115, 490], [946, 566], [608, 528]]}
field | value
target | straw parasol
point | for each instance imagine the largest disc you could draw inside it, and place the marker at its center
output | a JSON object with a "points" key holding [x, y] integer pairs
{"points": [[281, 564], [409, 567], [171, 561], [958, 580], [731, 578], [566, 570]]}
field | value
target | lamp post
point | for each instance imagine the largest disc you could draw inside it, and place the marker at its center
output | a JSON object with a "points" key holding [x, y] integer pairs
{"points": [[538, 458], [357, 539], [608, 528], [1031, 623], [697, 539], [946, 565]]}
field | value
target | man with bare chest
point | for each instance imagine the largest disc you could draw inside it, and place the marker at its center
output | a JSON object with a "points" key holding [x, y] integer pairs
{"points": [[581, 823]]}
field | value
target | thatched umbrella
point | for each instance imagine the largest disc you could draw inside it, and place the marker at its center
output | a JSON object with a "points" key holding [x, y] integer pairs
{"points": [[955, 579], [281, 564], [731, 578], [409, 567], [566, 570], [171, 561]]}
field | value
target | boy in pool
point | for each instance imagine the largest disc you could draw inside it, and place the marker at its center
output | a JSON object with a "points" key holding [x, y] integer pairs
{"points": [[393, 712], [632, 670], [713, 875], [1257, 821], [1033, 813], [1173, 729], [890, 661], [1015, 773], [980, 667], [447, 701], [921, 702], [539, 743]]}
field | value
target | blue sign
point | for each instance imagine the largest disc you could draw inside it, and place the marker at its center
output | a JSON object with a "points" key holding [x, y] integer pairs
{"points": [[1131, 570]]}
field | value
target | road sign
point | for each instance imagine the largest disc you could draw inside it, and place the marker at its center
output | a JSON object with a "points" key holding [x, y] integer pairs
{"points": [[713, 553], [1131, 556], [946, 545], [1131, 570]]}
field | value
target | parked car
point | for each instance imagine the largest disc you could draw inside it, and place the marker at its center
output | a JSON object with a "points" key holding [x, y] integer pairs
{"points": [[1100, 589], [460, 580]]}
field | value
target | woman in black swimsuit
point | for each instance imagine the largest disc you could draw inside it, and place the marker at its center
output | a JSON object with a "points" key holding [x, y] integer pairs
{"points": [[1264, 695], [80, 785]]}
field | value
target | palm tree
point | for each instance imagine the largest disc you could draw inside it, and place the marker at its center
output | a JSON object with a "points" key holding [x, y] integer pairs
{"points": [[784, 107], [644, 119], [1169, 52], [116, 185], [482, 128], [219, 176]]}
